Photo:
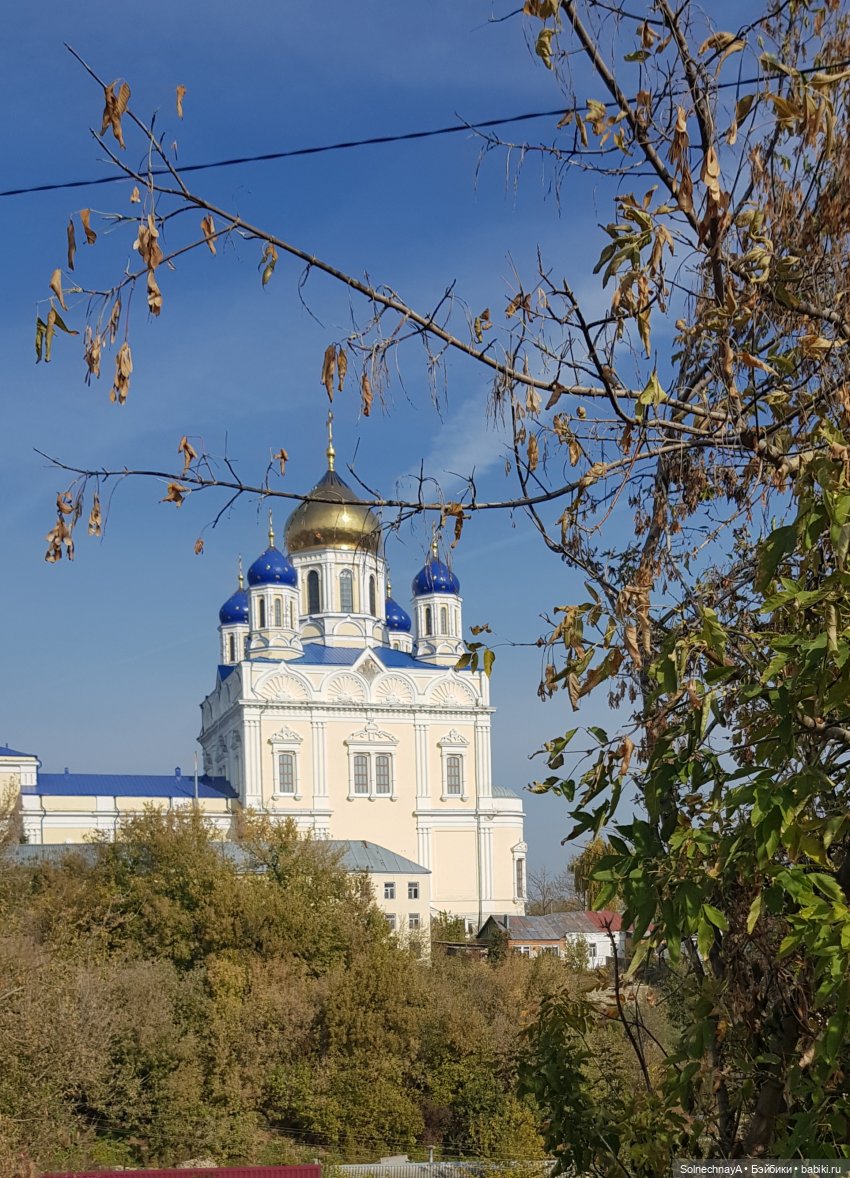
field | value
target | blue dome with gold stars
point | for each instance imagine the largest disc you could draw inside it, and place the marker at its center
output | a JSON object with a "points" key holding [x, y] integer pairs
{"points": [[272, 568], [235, 611], [397, 618], [435, 577]]}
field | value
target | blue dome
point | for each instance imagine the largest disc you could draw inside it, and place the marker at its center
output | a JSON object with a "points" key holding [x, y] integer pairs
{"points": [[234, 612], [435, 577], [272, 568], [397, 618]]}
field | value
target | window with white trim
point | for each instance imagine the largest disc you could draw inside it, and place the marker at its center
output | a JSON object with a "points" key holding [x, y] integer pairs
{"points": [[390, 919], [361, 774], [314, 594], [444, 620], [413, 922], [389, 891], [413, 891], [371, 767], [286, 773], [261, 614], [520, 879], [454, 775], [373, 598], [231, 643], [429, 626], [346, 592], [383, 774], [278, 612]]}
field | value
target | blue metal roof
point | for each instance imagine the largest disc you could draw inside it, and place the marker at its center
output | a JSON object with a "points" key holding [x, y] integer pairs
{"points": [[316, 655], [225, 669], [5, 751], [130, 785]]}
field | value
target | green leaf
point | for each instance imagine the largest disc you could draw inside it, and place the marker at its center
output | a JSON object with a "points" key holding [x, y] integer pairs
{"points": [[716, 917], [754, 913], [780, 543]]}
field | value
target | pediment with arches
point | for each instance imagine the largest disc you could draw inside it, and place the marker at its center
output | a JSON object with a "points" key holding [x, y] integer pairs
{"points": [[370, 733], [394, 691], [346, 689], [282, 687], [452, 693]]}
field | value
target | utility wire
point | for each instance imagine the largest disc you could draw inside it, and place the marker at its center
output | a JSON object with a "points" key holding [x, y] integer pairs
{"points": [[406, 136], [282, 155]]}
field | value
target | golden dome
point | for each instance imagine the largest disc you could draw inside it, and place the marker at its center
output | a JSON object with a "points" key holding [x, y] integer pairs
{"points": [[333, 517]]}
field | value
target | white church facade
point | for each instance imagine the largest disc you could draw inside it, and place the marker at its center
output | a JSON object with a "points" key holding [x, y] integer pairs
{"points": [[334, 707]]}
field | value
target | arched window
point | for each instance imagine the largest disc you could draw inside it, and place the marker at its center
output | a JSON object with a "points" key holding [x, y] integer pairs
{"points": [[454, 775], [361, 773], [314, 596], [520, 879], [231, 643], [429, 625], [373, 604], [346, 592], [286, 773], [291, 615], [278, 612], [383, 779], [261, 613], [444, 620]]}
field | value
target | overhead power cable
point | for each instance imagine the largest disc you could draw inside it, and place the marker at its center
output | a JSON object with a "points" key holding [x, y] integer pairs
{"points": [[375, 140]]}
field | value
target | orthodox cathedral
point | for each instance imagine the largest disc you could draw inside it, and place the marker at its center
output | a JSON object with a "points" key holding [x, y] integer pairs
{"points": [[334, 707]]}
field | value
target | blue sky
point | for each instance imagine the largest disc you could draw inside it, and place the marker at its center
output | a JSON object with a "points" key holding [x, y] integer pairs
{"points": [[106, 659]]}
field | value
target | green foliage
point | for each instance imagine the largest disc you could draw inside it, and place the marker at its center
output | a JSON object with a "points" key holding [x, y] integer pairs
{"points": [[160, 1004]]}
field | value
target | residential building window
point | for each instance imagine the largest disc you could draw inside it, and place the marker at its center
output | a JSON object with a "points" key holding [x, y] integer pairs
{"points": [[383, 779], [444, 620], [373, 602], [520, 879], [278, 612], [390, 919], [429, 625], [454, 775], [286, 773], [314, 596], [413, 891], [524, 950], [413, 922], [346, 592], [261, 614], [389, 891], [361, 773]]}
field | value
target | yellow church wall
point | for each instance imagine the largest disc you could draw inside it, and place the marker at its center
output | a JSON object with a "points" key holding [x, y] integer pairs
{"points": [[504, 839], [454, 862], [73, 805]]}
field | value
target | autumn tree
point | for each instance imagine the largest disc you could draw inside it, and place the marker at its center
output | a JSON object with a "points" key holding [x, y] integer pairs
{"points": [[687, 449]]}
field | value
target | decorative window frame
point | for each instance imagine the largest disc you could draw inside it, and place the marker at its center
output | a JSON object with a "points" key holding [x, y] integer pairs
{"points": [[370, 741], [286, 741], [519, 852], [453, 744]]}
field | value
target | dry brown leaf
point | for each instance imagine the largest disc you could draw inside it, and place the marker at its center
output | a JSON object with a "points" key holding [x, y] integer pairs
{"points": [[154, 294], [181, 94], [366, 393], [533, 452], [573, 690], [208, 227], [532, 402], [123, 370], [270, 258], [557, 392], [626, 750], [329, 369], [175, 493], [114, 320], [95, 520], [85, 217], [631, 643], [72, 243], [56, 287], [115, 105], [135, 198], [147, 243], [199, 546], [282, 457], [188, 451], [92, 346], [575, 452], [341, 368]]}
